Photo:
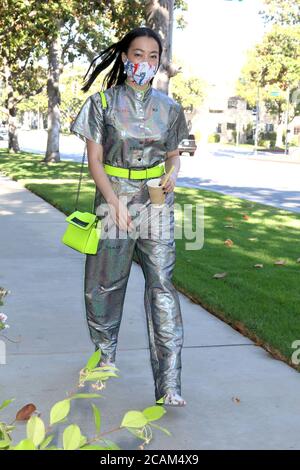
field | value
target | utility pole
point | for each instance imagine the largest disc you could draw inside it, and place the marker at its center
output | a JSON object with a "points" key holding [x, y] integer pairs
{"points": [[238, 123], [286, 151], [257, 122]]}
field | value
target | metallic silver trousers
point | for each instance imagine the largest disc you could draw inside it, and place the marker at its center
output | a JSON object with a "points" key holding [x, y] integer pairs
{"points": [[107, 273]]}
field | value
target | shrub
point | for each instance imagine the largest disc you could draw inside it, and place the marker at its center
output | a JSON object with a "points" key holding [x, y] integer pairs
{"points": [[294, 142], [214, 138]]}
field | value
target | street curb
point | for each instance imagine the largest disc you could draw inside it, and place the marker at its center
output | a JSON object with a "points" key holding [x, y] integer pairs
{"points": [[264, 158]]}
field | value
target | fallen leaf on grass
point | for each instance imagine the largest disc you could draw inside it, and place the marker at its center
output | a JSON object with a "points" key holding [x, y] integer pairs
{"points": [[25, 412], [280, 262], [229, 226], [252, 239], [236, 400], [219, 275], [246, 217], [228, 242], [229, 218], [258, 265]]}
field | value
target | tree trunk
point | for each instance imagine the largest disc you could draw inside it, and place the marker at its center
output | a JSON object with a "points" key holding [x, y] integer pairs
{"points": [[159, 16], [13, 143], [55, 69]]}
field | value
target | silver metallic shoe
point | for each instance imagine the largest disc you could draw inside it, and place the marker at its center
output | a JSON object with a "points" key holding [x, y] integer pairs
{"points": [[107, 364], [172, 399]]}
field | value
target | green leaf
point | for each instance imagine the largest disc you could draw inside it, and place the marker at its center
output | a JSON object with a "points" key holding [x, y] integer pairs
{"points": [[161, 429], [110, 445], [25, 444], [71, 437], [104, 369], [97, 417], [35, 430], [161, 400], [59, 411], [139, 433], [154, 413], [4, 432], [93, 447], [46, 442], [83, 440], [93, 360], [6, 403], [134, 419], [99, 376], [86, 395], [53, 448], [4, 443], [10, 428]]}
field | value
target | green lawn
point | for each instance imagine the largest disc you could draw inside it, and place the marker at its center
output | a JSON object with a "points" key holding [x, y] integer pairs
{"points": [[263, 303]]}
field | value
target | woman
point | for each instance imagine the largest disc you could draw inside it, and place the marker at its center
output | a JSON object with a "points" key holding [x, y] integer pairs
{"points": [[139, 129]]}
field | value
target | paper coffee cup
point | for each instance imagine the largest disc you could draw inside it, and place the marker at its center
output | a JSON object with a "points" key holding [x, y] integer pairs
{"points": [[157, 196]]}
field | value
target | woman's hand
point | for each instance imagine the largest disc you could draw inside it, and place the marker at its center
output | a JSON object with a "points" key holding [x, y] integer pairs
{"points": [[121, 216], [170, 184]]}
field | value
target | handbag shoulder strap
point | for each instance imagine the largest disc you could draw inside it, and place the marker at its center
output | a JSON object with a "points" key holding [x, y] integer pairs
{"points": [[104, 105], [103, 99]]}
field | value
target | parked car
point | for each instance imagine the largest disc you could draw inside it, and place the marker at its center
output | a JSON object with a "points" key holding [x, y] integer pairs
{"points": [[188, 145]]}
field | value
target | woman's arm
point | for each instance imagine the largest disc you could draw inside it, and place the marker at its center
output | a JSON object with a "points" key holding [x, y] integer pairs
{"points": [[95, 163], [173, 158], [118, 210]]}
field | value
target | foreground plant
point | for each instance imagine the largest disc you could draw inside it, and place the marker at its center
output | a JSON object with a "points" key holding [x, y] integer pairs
{"points": [[39, 437], [3, 324], [3, 317]]}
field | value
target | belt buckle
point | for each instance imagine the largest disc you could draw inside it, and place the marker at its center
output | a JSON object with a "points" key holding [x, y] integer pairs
{"points": [[130, 169]]}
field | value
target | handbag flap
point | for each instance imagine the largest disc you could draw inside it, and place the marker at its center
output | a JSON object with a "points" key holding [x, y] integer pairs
{"points": [[83, 220]]}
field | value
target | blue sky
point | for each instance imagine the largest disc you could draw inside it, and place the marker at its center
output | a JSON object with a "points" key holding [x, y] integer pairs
{"points": [[216, 37]]}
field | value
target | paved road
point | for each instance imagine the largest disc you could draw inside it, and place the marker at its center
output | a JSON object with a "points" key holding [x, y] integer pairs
{"points": [[225, 170], [231, 172]]}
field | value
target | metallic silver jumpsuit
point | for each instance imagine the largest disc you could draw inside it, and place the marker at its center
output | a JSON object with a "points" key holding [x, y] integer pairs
{"points": [[136, 130]]}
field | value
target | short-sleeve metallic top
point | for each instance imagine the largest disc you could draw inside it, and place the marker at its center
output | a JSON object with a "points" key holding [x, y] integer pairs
{"points": [[136, 129]]}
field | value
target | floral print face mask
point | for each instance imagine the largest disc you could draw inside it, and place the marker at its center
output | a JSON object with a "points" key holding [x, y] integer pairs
{"points": [[141, 73]]}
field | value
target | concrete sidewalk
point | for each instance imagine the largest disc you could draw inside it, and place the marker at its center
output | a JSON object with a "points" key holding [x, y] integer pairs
{"points": [[262, 156], [47, 319]]}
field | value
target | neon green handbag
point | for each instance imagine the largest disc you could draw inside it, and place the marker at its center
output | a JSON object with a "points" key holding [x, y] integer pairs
{"points": [[84, 230]]}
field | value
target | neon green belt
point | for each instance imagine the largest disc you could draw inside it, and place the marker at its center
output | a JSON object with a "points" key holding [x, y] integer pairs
{"points": [[130, 173]]}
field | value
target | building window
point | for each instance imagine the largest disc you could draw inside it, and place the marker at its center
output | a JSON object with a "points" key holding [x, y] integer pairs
{"points": [[296, 130], [269, 127], [231, 126], [232, 103], [219, 128]]}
